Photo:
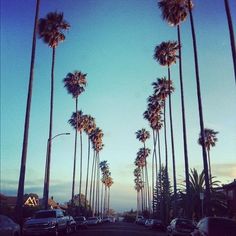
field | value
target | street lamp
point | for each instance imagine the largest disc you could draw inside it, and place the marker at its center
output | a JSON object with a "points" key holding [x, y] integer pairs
{"points": [[47, 171]]}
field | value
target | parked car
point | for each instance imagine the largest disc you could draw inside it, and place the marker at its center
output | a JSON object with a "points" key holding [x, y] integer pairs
{"points": [[140, 220], [149, 223], [47, 222], [215, 226], [81, 222], [72, 224], [180, 227], [108, 219], [158, 225], [92, 221], [8, 227]]}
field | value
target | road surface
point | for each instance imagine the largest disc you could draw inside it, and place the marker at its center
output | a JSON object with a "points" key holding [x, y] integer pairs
{"points": [[118, 229]]}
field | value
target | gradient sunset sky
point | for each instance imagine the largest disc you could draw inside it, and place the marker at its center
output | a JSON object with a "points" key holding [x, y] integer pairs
{"points": [[113, 42]]}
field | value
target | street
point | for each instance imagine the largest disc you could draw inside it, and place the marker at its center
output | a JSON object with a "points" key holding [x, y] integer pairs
{"points": [[117, 229]]}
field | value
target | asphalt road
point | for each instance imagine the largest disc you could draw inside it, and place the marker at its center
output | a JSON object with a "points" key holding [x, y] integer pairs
{"points": [[118, 229]]}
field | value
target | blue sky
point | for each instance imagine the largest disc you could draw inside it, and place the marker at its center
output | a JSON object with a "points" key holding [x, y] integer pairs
{"points": [[113, 42]]}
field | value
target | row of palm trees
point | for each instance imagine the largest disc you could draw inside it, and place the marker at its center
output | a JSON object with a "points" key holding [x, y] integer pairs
{"points": [[166, 54], [51, 30]]}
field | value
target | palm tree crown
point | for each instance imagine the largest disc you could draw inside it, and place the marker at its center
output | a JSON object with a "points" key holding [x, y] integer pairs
{"points": [[142, 135], [75, 83], [162, 88], [210, 138], [165, 53], [51, 28], [174, 11]]}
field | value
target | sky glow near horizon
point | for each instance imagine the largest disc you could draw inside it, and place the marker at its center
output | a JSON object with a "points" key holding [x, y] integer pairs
{"points": [[113, 42]]}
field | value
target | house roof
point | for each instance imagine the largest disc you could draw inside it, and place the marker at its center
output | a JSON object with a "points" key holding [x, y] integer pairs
{"points": [[230, 185]]}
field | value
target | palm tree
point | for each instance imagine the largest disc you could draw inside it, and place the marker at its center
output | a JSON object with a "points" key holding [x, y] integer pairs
{"points": [[175, 12], [138, 187], [97, 145], [75, 83], [142, 135], [105, 174], [77, 121], [90, 126], [141, 160], [109, 183], [20, 192], [165, 54], [210, 141], [231, 33], [197, 186], [140, 163], [201, 121], [51, 30], [154, 115]]}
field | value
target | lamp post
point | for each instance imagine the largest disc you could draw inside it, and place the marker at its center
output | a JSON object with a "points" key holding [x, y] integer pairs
{"points": [[47, 172]]}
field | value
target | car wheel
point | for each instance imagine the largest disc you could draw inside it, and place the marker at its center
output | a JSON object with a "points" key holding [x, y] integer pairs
{"points": [[68, 230], [55, 233]]}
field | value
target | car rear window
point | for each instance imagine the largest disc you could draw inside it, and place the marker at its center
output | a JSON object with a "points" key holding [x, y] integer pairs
{"points": [[184, 224], [45, 214]]}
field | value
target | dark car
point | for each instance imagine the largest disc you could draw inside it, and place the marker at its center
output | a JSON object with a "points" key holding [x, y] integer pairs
{"points": [[81, 222], [215, 226], [180, 227], [8, 227], [158, 225], [72, 224]]}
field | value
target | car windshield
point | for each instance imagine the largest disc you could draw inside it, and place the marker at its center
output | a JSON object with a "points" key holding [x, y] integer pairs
{"points": [[92, 218], [45, 214]]}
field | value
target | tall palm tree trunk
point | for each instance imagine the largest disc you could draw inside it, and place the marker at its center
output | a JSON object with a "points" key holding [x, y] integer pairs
{"points": [[87, 176], [94, 183], [49, 143], [98, 185], [81, 168], [166, 167], [147, 181], [142, 200], [105, 201], [184, 124], [231, 33], [91, 183], [155, 176], [158, 175], [209, 164], [20, 192], [172, 145], [75, 150], [204, 154], [108, 202]]}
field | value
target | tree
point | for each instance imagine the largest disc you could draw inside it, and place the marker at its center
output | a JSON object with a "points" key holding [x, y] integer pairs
{"points": [[138, 187], [21, 183], [197, 186], [89, 127], [165, 54], [199, 97], [142, 135], [210, 141], [154, 116], [75, 83], [77, 121], [162, 197], [51, 30], [97, 145], [175, 12]]}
